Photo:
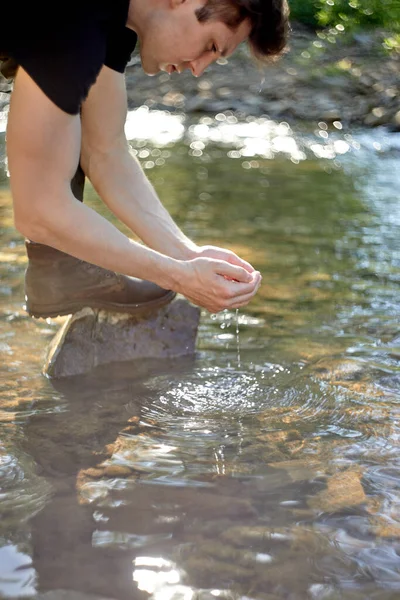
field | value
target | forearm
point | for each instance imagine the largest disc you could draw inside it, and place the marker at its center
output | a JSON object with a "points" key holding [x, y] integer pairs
{"points": [[120, 181], [79, 231]]}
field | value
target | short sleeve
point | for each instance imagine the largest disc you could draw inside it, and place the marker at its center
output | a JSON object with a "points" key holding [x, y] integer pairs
{"points": [[121, 42], [65, 64]]}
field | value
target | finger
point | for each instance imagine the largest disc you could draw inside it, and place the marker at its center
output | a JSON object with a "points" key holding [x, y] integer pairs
{"points": [[243, 299], [254, 281], [230, 290], [234, 272], [236, 260]]}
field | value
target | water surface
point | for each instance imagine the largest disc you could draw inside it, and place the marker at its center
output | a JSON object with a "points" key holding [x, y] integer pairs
{"points": [[264, 467]]}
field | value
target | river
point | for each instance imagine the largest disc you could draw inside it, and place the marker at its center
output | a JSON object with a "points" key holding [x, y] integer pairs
{"points": [[266, 467]]}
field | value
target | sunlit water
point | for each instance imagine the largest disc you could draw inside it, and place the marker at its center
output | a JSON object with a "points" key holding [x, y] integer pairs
{"points": [[265, 467]]}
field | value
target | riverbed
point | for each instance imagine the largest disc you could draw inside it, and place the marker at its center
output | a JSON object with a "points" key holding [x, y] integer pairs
{"points": [[265, 467]]}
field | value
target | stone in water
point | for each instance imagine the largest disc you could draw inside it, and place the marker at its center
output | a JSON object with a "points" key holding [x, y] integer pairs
{"points": [[95, 337]]}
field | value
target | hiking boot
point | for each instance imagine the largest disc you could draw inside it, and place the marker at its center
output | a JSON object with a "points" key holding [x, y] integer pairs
{"points": [[58, 284]]}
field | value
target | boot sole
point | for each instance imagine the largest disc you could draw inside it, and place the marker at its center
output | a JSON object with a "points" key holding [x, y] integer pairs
{"points": [[49, 311]]}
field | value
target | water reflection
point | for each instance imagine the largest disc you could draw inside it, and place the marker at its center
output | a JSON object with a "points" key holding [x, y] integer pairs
{"points": [[264, 469], [255, 137], [156, 487], [83, 452]]}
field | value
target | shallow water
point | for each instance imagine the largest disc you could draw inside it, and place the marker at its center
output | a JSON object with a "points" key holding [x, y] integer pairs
{"points": [[264, 469]]}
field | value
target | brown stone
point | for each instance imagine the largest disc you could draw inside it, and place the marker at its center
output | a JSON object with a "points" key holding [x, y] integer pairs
{"points": [[343, 490], [299, 469], [134, 419], [93, 473], [386, 529], [258, 534], [117, 471], [92, 338], [207, 568]]}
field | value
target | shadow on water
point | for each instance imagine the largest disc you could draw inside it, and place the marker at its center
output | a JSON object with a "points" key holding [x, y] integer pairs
{"points": [[265, 467], [80, 453]]}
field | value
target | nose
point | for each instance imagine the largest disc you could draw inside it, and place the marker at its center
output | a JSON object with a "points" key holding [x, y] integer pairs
{"points": [[199, 65]]}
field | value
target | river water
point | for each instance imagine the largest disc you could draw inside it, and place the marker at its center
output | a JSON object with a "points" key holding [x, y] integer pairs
{"points": [[265, 467]]}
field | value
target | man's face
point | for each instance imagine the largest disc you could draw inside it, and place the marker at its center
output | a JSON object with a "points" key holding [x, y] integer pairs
{"points": [[174, 40]]}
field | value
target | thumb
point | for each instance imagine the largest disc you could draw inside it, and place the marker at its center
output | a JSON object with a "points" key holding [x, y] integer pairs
{"points": [[236, 260], [234, 272]]}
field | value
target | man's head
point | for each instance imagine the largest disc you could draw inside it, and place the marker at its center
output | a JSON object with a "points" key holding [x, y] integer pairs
{"points": [[176, 35]]}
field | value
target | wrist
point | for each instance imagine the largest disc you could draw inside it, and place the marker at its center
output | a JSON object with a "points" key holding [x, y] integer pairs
{"points": [[187, 251], [174, 273]]}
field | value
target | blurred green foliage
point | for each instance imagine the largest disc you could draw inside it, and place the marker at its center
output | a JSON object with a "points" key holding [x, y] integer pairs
{"points": [[349, 13], [305, 11]]}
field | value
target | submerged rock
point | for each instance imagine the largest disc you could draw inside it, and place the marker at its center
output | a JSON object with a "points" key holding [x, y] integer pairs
{"points": [[343, 490], [254, 535], [300, 469], [68, 595], [91, 338], [117, 471], [207, 570]]}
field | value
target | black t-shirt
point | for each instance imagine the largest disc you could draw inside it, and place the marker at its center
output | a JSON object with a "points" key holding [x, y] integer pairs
{"points": [[64, 46]]}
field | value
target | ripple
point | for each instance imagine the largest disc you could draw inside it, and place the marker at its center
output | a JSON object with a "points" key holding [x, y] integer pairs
{"points": [[382, 564]]}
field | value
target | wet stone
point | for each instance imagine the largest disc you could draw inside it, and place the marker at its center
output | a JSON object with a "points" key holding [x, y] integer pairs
{"points": [[299, 469], [343, 490], [94, 473], [386, 529], [218, 550], [245, 536], [117, 471], [92, 338], [209, 570], [226, 553], [280, 437], [339, 370]]}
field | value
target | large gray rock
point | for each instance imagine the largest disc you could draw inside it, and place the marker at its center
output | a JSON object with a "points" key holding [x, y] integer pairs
{"points": [[95, 337]]}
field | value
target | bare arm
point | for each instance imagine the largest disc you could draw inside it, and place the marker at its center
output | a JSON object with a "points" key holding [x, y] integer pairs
{"points": [[118, 177], [43, 146]]}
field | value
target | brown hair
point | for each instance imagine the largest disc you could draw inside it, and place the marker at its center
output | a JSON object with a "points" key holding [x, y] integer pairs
{"points": [[8, 66], [269, 22]]}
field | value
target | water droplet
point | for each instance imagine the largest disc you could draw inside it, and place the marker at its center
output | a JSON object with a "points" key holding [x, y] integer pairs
{"points": [[237, 338]]}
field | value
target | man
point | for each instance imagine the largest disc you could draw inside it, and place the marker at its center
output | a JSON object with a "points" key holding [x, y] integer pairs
{"points": [[67, 113]]}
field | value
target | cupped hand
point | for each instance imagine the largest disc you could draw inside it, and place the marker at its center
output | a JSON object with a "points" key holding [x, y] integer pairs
{"points": [[217, 284], [223, 254]]}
